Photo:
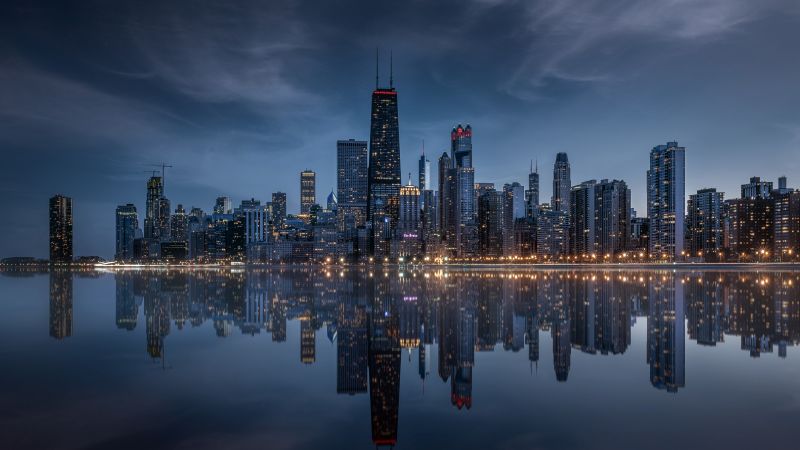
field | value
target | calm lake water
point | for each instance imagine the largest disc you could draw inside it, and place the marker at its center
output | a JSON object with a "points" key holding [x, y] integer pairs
{"points": [[429, 359]]}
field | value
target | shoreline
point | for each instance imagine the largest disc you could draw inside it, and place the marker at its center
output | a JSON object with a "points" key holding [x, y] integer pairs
{"points": [[682, 266]]}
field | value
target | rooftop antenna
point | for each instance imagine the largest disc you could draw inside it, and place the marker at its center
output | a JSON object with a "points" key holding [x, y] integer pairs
{"points": [[376, 68], [423, 147], [391, 70]]}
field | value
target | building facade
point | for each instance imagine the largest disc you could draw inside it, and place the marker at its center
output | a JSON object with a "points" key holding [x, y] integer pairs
{"points": [[666, 200], [60, 230]]}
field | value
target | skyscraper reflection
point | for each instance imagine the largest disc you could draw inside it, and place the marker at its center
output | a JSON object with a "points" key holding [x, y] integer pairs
{"points": [[60, 303], [449, 319]]}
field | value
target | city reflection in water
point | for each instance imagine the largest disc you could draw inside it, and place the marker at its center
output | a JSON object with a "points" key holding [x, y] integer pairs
{"points": [[374, 317]]}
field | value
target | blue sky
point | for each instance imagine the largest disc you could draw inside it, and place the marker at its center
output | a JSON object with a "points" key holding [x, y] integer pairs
{"points": [[242, 96]]}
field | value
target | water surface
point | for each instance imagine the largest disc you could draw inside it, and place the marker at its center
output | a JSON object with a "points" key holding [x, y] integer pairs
{"points": [[428, 359]]}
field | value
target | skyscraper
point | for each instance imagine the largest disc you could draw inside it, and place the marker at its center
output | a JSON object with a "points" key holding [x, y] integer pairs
{"points": [[152, 218], [490, 223], [351, 183], [409, 221], [582, 240], [705, 222], [464, 192], [666, 200], [447, 203], [60, 230], [127, 222], [279, 209], [562, 183], [424, 172], [383, 182], [179, 225], [532, 195], [612, 216], [513, 209], [308, 190]]}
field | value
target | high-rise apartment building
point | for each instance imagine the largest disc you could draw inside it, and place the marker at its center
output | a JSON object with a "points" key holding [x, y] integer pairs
{"points": [[705, 223], [127, 222], [60, 230], [562, 183], [666, 200], [279, 210]]}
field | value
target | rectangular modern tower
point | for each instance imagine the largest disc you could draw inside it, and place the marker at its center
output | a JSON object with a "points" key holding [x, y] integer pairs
{"points": [[351, 182], [60, 230], [127, 222], [666, 200], [383, 181], [308, 190]]}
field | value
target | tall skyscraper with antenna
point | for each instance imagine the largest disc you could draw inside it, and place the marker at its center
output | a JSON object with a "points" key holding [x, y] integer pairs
{"points": [[383, 182]]}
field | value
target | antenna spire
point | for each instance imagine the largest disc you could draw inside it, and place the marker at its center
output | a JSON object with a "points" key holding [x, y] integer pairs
{"points": [[391, 71], [423, 147], [376, 67]]}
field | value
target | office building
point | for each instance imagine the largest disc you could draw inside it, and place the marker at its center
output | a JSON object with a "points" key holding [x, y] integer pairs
{"points": [[351, 183], [424, 172], [383, 175], [308, 191], [490, 223]]}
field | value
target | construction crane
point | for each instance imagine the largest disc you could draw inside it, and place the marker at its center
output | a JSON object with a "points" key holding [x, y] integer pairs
{"points": [[163, 172]]}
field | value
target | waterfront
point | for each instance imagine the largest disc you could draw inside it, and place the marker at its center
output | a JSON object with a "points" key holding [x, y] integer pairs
{"points": [[432, 358]]}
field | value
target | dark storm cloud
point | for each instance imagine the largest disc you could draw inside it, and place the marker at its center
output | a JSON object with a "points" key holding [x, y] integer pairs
{"points": [[241, 96]]}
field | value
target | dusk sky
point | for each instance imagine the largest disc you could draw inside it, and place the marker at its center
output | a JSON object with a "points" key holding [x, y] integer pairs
{"points": [[241, 96]]}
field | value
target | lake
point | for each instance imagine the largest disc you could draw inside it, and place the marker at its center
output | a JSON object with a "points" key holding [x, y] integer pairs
{"points": [[349, 358]]}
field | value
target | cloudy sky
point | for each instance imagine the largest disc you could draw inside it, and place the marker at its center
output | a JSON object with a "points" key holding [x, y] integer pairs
{"points": [[242, 96]]}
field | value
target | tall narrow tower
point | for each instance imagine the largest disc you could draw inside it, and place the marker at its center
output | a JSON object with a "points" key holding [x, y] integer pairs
{"points": [[383, 182], [562, 183]]}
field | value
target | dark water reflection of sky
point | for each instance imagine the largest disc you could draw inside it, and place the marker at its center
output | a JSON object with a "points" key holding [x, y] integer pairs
{"points": [[296, 359]]}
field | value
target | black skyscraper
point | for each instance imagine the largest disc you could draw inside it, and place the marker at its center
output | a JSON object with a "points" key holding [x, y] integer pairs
{"points": [[60, 229], [383, 183]]}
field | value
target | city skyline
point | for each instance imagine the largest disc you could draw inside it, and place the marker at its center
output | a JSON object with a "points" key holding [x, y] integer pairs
{"points": [[212, 111]]}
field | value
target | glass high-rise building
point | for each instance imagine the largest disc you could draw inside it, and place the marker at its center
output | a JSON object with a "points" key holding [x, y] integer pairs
{"points": [[562, 183], [127, 222], [666, 200], [351, 182], [424, 173], [60, 229], [308, 190]]}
